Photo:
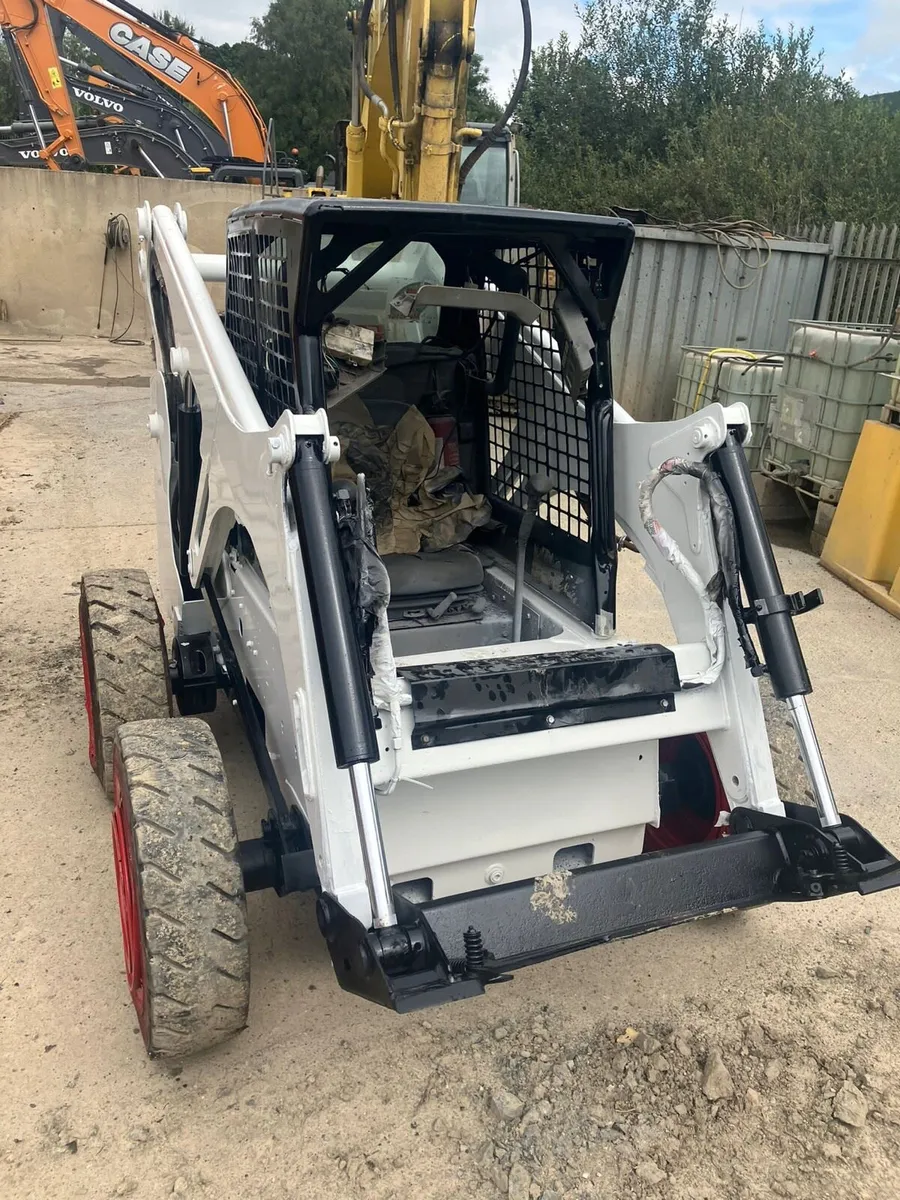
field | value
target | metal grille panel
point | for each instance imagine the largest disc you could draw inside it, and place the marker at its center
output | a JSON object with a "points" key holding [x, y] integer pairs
{"points": [[257, 318], [537, 428]]}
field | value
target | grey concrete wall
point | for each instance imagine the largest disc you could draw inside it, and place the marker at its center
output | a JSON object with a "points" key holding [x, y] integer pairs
{"points": [[52, 228]]}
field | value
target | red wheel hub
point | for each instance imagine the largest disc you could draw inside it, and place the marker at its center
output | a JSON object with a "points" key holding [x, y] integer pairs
{"points": [[702, 796], [129, 900], [88, 695]]}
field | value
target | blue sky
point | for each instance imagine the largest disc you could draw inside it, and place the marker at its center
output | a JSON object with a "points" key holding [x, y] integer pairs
{"points": [[859, 36]]}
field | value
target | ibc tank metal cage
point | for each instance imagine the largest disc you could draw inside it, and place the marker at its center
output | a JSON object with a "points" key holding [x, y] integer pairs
{"points": [[282, 258], [835, 379]]}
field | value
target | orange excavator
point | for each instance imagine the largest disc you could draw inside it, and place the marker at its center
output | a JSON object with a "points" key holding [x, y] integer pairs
{"points": [[162, 107]]}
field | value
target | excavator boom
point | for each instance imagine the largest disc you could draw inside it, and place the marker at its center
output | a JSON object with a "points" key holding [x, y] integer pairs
{"points": [[30, 39], [410, 67], [146, 53], [408, 137]]}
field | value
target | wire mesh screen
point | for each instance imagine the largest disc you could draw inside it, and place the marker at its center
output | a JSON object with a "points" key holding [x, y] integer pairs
{"points": [[537, 436], [257, 318]]}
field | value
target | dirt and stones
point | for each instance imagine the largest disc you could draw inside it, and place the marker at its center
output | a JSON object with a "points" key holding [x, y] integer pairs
{"points": [[686, 1108]]}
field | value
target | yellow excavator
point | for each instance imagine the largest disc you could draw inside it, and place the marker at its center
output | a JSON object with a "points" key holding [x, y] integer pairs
{"points": [[408, 137]]}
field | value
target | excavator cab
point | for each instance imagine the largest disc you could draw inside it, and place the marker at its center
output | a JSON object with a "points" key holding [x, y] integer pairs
{"points": [[495, 177]]}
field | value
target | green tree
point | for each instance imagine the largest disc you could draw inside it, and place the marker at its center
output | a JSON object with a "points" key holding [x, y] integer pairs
{"points": [[9, 96], [173, 21], [663, 106], [297, 69], [481, 103]]}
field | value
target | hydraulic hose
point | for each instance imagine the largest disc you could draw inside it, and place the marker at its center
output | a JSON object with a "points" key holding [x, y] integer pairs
{"points": [[362, 32], [494, 133]]}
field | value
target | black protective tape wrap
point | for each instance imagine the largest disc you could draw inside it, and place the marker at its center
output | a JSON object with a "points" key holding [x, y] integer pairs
{"points": [[343, 673], [781, 647], [188, 465]]}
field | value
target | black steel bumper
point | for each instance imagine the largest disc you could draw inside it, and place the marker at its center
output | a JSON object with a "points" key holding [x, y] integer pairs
{"points": [[450, 949]]}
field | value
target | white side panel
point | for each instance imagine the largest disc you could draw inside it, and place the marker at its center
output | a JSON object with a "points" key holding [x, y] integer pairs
{"points": [[242, 478], [516, 816], [741, 747]]}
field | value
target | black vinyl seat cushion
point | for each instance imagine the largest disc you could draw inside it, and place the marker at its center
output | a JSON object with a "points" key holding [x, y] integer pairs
{"points": [[433, 575]]}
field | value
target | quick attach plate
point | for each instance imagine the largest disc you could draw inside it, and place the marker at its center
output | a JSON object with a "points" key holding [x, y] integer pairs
{"points": [[428, 959], [484, 698]]}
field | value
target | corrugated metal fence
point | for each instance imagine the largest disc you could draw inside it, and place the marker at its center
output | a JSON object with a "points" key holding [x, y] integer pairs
{"points": [[862, 283], [683, 289]]}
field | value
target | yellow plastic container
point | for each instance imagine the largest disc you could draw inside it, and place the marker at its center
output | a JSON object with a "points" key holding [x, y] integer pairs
{"points": [[863, 544]]}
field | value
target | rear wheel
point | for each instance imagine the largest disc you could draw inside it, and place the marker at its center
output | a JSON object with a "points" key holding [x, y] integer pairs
{"points": [[181, 894], [123, 657]]}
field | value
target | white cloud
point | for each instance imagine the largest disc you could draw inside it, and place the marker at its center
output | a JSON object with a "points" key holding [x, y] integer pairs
{"points": [[878, 48], [498, 25]]}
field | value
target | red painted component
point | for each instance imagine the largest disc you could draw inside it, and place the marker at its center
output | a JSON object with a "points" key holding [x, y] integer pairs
{"points": [[446, 440], [129, 901], [88, 694], [695, 820]]}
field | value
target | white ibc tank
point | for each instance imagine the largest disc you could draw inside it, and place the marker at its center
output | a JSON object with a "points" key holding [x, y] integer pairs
{"points": [[833, 382], [726, 376]]}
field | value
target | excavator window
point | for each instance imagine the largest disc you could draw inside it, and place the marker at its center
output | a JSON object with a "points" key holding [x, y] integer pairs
{"points": [[489, 180]]}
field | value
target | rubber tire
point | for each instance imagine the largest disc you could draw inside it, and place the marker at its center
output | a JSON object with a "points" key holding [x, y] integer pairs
{"points": [[126, 667], [190, 974], [790, 773]]}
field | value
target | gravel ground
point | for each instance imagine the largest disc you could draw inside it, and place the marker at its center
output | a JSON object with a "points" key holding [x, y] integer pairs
{"points": [[746, 1056]]}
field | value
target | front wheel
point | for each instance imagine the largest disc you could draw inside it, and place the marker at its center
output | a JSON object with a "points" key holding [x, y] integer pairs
{"points": [[181, 894]]}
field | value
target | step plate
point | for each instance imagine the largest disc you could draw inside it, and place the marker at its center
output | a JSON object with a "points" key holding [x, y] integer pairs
{"points": [[484, 698]]}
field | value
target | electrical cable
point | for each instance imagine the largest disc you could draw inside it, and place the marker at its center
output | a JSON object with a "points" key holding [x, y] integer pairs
{"points": [[725, 585], [734, 235], [117, 237], [487, 139], [729, 352], [35, 17], [892, 333]]}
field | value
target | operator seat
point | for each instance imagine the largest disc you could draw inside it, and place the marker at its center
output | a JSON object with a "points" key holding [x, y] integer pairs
{"points": [[432, 585]]}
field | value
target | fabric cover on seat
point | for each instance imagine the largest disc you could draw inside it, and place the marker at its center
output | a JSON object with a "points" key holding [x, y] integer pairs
{"points": [[435, 573]]}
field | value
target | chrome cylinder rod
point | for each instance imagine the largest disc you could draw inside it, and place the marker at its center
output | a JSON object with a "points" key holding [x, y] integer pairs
{"points": [[813, 761], [377, 877], [227, 127]]}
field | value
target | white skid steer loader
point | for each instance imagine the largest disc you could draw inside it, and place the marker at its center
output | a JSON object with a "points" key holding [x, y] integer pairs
{"points": [[388, 487]]}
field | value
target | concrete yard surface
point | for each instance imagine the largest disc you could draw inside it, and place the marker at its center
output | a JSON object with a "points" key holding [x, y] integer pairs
{"points": [[745, 1056]]}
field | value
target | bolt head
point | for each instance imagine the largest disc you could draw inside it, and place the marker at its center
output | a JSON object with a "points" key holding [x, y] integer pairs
{"points": [[551, 720], [494, 874]]}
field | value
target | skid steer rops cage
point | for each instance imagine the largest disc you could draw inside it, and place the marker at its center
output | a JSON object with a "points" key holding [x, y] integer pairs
{"points": [[389, 483]]}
